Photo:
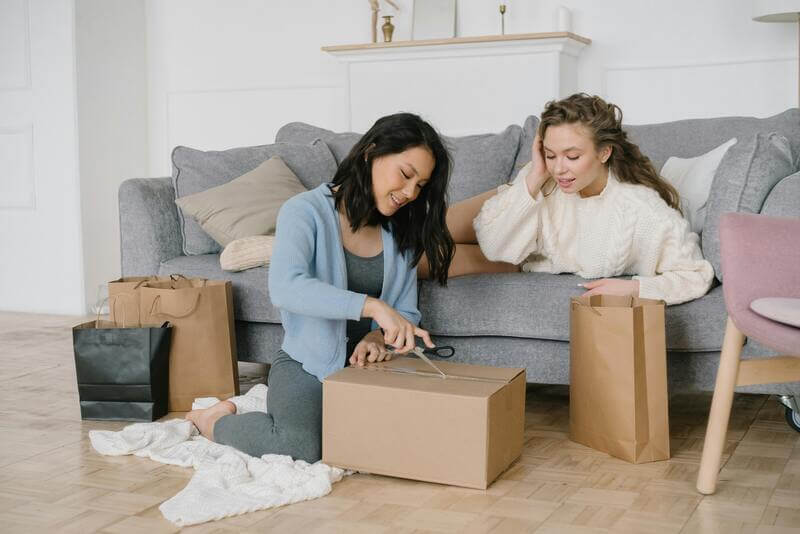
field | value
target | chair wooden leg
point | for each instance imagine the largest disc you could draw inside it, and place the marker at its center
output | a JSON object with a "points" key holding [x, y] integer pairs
{"points": [[720, 409]]}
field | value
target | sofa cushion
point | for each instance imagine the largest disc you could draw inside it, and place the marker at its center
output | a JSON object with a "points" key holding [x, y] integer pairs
{"points": [[246, 206], [194, 171], [693, 137], [480, 162], [746, 175], [529, 128], [784, 199], [692, 177], [251, 300], [300, 132], [247, 253], [536, 306]]}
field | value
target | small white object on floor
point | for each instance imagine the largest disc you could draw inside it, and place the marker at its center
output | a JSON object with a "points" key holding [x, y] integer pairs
{"points": [[226, 482]]}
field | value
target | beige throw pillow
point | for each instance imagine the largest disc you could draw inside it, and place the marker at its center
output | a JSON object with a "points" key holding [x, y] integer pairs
{"points": [[246, 253], [246, 206]]}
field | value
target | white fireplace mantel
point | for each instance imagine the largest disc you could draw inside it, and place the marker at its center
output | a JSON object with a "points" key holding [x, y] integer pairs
{"points": [[463, 85]]}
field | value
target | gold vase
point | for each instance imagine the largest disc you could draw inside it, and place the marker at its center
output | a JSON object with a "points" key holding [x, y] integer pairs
{"points": [[388, 29]]}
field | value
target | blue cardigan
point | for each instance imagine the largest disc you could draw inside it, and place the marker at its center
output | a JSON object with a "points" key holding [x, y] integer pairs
{"points": [[308, 282]]}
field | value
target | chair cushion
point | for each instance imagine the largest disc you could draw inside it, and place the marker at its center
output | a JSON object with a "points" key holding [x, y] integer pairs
{"points": [[251, 300], [760, 258], [536, 306], [480, 162], [782, 310], [194, 171]]}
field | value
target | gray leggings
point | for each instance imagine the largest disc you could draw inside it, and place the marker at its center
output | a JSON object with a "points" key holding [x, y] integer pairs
{"points": [[293, 424]]}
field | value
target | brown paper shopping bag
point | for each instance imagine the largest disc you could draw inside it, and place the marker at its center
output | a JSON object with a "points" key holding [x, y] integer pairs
{"points": [[203, 361], [618, 377]]}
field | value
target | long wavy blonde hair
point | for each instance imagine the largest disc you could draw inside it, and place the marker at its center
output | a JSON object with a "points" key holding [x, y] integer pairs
{"points": [[604, 123]]}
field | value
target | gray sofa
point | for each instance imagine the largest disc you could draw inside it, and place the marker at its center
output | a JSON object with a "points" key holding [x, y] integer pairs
{"points": [[518, 319]]}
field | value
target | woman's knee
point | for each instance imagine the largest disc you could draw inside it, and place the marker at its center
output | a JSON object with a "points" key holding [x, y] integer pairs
{"points": [[306, 444]]}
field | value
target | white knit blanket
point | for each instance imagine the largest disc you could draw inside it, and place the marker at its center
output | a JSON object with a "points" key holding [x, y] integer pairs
{"points": [[226, 481]]}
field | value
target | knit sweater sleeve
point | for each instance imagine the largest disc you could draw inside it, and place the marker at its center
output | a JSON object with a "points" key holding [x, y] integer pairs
{"points": [[681, 272], [509, 224]]}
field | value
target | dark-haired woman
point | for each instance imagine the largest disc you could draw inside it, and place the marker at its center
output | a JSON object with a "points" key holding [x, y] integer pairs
{"points": [[588, 203], [343, 274]]}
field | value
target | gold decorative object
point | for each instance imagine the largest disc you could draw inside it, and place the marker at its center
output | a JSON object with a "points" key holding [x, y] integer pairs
{"points": [[502, 19], [375, 7], [388, 29]]}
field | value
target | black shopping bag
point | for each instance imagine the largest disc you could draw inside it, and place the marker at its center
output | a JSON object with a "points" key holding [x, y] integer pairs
{"points": [[123, 372]]}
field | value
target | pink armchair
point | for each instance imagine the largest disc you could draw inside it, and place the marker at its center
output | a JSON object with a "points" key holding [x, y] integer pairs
{"points": [[760, 258]]}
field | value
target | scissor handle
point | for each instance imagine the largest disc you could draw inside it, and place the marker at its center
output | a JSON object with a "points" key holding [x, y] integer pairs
{"points": [[440, 351]]}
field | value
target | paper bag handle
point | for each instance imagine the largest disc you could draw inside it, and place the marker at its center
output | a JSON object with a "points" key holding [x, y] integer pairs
{"points": [[178, 276], [188, 312], [112, 300]]}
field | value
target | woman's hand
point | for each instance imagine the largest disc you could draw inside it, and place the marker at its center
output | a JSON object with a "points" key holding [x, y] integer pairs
{"points": [[398, 331], [538, 173], [370, 349], [612, 286]]}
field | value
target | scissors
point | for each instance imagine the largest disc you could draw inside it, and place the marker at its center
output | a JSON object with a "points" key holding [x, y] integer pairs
{"points": [[440, 351]]}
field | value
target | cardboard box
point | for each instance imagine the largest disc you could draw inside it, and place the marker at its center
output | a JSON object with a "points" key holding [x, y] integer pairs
{"points": [[401, 418]]}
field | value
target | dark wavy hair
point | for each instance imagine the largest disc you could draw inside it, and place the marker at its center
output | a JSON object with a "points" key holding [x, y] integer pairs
{"points": [[419, 226], [604, 122]]}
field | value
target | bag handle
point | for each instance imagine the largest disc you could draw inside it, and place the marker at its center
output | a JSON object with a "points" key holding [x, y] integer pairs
{"points": [[188, 312], [140, 283], [112, 300], [175, 277]]}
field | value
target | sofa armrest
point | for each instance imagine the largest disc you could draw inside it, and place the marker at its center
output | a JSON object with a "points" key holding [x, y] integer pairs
{"points": [[148, 225], [784, 199]]}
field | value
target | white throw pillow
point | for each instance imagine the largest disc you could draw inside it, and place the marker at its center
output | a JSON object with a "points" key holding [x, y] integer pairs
{"points": [[692, 178], [246, 253]]}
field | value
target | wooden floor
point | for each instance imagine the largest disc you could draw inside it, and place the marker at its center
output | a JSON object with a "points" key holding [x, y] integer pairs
{"points": [[52, 481]]}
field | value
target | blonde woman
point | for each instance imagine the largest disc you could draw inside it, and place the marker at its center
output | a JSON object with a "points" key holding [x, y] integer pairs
{"points": [[588, 203]]}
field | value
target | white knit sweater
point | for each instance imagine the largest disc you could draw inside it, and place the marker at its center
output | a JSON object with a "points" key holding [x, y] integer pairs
{"points": [[626, 229]]}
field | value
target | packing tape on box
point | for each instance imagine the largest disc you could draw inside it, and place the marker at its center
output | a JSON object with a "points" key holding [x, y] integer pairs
{"points": [[438, 374]]}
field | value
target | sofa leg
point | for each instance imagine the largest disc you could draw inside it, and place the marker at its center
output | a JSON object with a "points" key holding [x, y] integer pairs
{"points": [[720, 409]]}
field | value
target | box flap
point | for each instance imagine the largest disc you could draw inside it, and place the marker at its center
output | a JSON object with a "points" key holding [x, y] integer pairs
{"points": [[414, 374]]}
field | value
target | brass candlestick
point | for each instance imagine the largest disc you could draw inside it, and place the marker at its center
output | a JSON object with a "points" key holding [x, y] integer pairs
{"points": [[502, 19]]}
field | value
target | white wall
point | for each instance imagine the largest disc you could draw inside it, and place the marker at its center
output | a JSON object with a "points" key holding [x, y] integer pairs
{"points": [[40, 240], [112, 124], [232, 75]]}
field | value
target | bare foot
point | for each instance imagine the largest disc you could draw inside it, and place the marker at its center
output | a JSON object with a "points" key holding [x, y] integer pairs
{"points": [[205, 419]]}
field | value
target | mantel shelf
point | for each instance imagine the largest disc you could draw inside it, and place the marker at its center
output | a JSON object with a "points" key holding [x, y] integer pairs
{"points": [[454, 82], [456, 41]]}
